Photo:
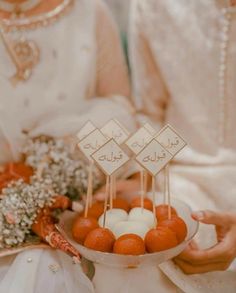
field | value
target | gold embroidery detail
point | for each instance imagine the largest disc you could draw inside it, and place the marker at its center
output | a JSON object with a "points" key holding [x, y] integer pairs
{"points": [[25, 54]]}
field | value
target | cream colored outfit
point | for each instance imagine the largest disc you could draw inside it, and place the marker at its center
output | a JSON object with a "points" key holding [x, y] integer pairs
{"points": [[81, 75], [175, 55]]}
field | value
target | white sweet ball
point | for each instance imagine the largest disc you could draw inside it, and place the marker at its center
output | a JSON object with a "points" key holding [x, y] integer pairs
{"points": [[130, 227], [142, 215], [112, 217]]}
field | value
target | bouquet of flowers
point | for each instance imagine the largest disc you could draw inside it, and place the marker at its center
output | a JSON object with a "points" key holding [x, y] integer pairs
{"points": [[48, 178]]}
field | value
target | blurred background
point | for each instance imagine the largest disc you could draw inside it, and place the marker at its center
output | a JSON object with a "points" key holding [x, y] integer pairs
{"points": [[120, 10]]}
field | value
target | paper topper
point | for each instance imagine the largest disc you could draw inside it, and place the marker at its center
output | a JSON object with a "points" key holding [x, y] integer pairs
{"points": [[139, 140], [153, 157], [110, 157], [113, 129], [86, 130], [170, 140], [91, 143]]}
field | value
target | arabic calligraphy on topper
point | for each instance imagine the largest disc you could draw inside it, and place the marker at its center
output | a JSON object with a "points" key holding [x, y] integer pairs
{"points": [[91, 143], [171, 140], [139, 140], [153, 157], [113, 129], [110, 157]]}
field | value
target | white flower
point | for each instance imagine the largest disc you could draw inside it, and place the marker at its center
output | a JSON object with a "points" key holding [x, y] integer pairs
{"points": [[61, 174]]}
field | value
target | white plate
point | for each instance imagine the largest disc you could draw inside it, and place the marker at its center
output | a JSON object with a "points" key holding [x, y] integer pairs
{"points": [[131, 261]]}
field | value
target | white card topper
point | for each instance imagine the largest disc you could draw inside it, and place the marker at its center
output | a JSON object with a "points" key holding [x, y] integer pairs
{"points": [[122, 126], [92, 142], [150, 128], [85, 130], [113, 129], [110, 157], [139, 140], [170, 140], [153, 157]]}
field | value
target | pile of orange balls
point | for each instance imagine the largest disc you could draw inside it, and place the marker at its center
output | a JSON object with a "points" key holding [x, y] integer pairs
{"points": [[167, 234]]}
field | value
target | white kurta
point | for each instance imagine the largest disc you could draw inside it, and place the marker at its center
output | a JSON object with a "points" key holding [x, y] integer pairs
{"points": [[81, 76], [81, 67], [175, 57]]}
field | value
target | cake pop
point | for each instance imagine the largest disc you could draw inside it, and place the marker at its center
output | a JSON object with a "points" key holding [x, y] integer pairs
{"points": [[162, 212], [82, 226], [113, 216], [96, 210], [160, 238], [177, 225], [120, 203], [129, 244], [142, 215], [130, 227], [100, 239], [137, 202]]}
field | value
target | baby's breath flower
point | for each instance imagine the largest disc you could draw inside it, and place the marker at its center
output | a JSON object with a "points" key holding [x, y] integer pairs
{"points": [[60, 173]]}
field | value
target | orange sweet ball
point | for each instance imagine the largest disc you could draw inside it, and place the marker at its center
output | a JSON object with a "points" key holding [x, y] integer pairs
{"points": [[119, 203], [159, 239], [129, 244], [82, 226], [101, 239], [147, 204], [177, 225], [96, 210], [162, 212]]}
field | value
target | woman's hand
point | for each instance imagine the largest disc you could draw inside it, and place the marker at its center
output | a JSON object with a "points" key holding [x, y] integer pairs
{"points": [[124, 188], [217, 258]]}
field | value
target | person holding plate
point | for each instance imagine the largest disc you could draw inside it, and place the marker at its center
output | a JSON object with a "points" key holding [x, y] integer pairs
{"points": [[183, 60]]}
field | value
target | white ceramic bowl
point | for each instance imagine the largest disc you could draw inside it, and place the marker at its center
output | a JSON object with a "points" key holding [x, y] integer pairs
{"points": [[130, 261]]}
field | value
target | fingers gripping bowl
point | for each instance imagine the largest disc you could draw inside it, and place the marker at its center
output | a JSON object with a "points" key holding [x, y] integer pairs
{"points": [[130, 261]]}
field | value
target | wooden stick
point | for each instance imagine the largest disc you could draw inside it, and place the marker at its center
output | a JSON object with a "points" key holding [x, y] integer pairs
{"points": [[114, 186], [165, 185], [168, 190], [145, 182], [106, 192], [87, 202], [89, 190], [154, 199], [142, 187], [111, 192], [106, 200], [91, 183]]}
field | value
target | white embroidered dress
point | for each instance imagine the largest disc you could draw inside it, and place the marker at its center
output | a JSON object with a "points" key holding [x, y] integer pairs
{"points": [[81, 75], [175, 57]]}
